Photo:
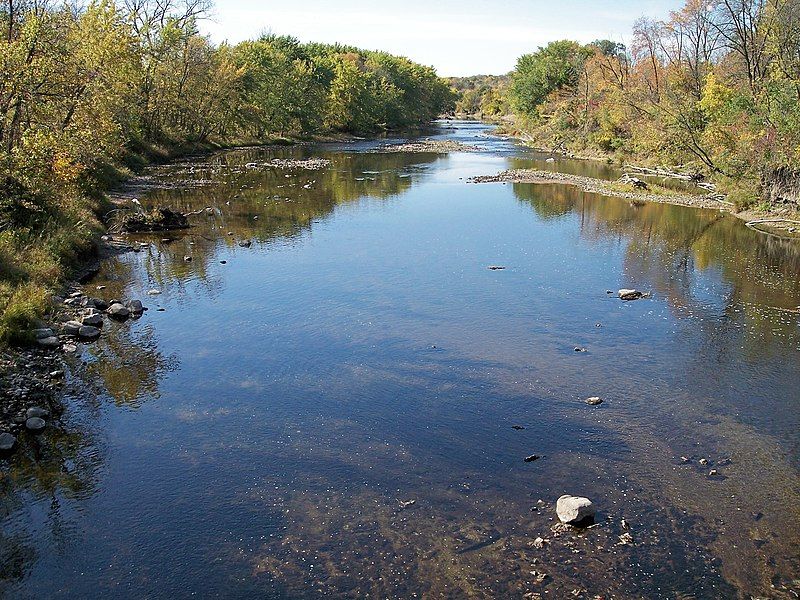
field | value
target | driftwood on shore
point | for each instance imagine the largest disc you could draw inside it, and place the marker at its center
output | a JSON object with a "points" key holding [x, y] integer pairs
{"points": [[695, 178], [158, 219]]}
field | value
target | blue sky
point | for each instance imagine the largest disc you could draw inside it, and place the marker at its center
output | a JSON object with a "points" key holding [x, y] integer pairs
{"points": [[458, 37]]}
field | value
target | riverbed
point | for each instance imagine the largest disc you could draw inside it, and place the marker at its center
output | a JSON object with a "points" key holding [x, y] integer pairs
{"points": [[332, 395]]}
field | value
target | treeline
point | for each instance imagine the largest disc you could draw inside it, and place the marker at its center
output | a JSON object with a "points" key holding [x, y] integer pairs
{"points": [[484, 96], [713, 89], [83, 90]]}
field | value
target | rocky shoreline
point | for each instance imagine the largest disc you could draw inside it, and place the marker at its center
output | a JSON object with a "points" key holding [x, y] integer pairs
{"points": [[627, 190], [32, 378], [428, 146], [783, 221]]}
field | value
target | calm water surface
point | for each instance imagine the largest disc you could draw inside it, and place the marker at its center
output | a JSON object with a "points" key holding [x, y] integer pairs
{"points": [[259, 436]]}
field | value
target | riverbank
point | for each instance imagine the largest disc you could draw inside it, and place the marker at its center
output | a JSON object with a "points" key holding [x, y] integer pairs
{"points": [[39, 335], [784, 221]]}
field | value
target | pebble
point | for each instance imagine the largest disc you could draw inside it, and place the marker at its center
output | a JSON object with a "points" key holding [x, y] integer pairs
{"points": [[539, 542], [187, 258], [517, 427], [496, 268], [153, 292], [532, 458], [594, 401]]}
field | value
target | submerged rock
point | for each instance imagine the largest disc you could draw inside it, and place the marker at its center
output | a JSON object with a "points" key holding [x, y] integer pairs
{"points": [[87, 332], [35, 424], [573, 510], [594, 401], [37, 411], [532, 458], [7, 442]]}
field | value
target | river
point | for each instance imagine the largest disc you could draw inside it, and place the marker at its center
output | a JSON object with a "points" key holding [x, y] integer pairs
{"points": [[330, 411]]}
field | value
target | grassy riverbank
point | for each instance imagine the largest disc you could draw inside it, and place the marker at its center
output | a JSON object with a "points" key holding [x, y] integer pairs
{"points": [[90, 96], [35, 261]]}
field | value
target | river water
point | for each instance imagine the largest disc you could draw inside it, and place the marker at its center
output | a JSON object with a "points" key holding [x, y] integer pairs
{"points": [[263, 429]]}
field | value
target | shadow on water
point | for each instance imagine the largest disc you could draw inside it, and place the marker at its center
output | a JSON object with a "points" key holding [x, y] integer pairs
{"points": [[325, 405]]}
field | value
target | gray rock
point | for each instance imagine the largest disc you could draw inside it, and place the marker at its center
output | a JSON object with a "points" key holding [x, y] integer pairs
{"points": [[44, 332], [88, 332], [574, 509], [35, 424], [71, 328], [594, 401], [93, 320], [49, 342], [135, 306], [37, 411], [7, 442], [118, 311], [97, 303], [630, 294]]}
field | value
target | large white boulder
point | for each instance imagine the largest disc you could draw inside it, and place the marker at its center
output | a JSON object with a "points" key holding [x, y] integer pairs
{"points": [[574, 509]]}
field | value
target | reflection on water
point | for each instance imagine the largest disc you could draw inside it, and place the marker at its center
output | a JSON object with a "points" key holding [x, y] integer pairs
{"points": [[265, 427]]}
